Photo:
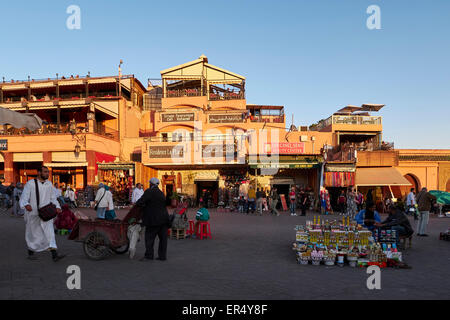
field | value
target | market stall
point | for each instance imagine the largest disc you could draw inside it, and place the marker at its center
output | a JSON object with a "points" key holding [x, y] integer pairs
{"points": [[332, 242], [120, 177]]}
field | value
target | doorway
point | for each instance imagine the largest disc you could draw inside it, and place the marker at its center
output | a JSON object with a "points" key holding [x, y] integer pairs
{"points": [[208, 191]]}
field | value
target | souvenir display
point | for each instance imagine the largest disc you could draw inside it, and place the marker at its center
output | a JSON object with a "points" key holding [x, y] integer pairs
{"points": [[333, 242]]}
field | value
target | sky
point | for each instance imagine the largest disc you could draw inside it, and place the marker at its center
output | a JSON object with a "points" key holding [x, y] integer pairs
{"points": [[311, 56]]}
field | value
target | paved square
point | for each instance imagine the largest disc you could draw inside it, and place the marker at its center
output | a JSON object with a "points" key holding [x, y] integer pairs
{"points": [[249, 257]]}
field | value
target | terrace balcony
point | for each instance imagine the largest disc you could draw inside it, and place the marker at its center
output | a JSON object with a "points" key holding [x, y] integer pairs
{"points": [[61, 129], [351, 123]]}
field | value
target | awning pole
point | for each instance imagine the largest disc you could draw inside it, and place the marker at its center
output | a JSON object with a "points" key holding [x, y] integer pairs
{"points": [[392, 194]]}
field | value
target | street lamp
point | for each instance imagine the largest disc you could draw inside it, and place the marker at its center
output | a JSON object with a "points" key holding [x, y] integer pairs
{"points": [[120, 76]]}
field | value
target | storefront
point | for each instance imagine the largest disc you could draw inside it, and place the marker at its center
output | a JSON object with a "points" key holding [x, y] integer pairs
{"points": [[119, 176], [384, 182], [338, 178]]}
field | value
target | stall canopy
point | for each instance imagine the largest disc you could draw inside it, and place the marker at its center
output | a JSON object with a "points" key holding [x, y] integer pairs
{"points": [[380, 177]]}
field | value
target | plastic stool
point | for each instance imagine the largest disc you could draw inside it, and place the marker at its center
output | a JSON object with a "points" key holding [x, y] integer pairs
{"points": [[191, 231], [204, 233]]}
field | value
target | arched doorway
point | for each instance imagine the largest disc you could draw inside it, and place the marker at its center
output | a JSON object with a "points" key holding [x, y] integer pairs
{"points": [[447, 187], [415, 183]]}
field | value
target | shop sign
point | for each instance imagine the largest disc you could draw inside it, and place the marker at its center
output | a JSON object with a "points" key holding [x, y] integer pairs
{"points": [[284, 166], [285, 147], [177, 117], [3, 145], [226, 118], [166, 152], [212, 150]]}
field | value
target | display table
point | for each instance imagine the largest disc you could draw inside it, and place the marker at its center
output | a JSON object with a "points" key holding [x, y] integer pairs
{"points": [[331, 242]]}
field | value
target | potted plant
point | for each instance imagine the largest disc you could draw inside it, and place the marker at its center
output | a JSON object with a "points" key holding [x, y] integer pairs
{"points": [[175, 197]]}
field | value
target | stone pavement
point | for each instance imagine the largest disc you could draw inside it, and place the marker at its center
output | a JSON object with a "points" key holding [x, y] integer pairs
{"points": [[249, 257]]}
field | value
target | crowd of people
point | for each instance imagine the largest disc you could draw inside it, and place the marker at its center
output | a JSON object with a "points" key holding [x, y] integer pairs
{"points": [[40, 235]]}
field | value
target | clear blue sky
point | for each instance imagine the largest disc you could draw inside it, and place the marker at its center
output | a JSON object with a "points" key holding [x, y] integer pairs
{"points": [[312, 56]]}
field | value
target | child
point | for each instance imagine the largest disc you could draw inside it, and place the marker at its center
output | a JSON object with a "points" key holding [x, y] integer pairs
{"points": [[241, 204]]}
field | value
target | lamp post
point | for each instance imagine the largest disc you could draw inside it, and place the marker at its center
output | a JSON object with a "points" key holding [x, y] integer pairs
{"points": [[120, 76]]}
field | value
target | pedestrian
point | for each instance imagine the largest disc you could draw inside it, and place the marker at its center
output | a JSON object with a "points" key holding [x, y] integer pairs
{"points": [[303, 201], [58, 194], [274, 203], [241, 204], [251, 200], [424, 201], [39, 234], [101, 201], [342, 199], [110, 214], [266, 200], [6, 197], [411, 204], [324, 200], [137, 193], [155, 219], [359, 200], [351, 203], [292, 200], [369, 197], [16, 199], [259, 201], [70, 196]]}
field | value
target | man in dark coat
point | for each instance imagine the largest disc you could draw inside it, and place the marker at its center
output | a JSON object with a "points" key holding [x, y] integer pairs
{"points": [[155, 219]]}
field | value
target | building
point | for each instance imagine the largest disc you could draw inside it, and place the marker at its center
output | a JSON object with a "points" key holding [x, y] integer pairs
{"points": [[87, 121], [195, 131]]}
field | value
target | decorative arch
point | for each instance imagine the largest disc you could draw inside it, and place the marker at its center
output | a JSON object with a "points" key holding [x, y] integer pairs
{"points": [[187, 126]]}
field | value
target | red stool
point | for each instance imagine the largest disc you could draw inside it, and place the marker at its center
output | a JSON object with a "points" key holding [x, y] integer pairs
{"points": [[205, 230], [191, 231], [168, 232]]}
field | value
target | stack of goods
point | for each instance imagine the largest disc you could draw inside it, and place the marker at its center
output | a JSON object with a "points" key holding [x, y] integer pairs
{"points": [[335, 242]]}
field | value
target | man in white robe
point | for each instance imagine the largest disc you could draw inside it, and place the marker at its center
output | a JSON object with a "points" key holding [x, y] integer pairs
{"points": [[39, 234], [137, 193]]}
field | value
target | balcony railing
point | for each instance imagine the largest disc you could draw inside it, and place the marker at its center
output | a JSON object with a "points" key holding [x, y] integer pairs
{"points": [[63, 128]]}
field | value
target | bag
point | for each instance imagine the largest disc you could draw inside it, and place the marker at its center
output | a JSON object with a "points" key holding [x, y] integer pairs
{"points": [[47, 212], [96, 206]]}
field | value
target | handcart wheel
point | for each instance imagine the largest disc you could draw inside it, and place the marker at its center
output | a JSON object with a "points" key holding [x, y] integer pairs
{"points": [[122, 249], [96, 246]]}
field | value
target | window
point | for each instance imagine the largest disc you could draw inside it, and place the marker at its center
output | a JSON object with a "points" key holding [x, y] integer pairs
{"points": [[164, 137]]}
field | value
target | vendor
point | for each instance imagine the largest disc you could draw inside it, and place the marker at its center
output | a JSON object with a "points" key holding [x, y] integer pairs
{"points": [[397, 220], [368, 217]]}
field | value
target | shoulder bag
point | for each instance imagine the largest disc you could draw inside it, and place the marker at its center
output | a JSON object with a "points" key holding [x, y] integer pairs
{"points": [[47, 212]]}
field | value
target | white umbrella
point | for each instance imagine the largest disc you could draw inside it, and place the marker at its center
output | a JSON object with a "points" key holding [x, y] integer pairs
{"points": [[20, 120]]}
